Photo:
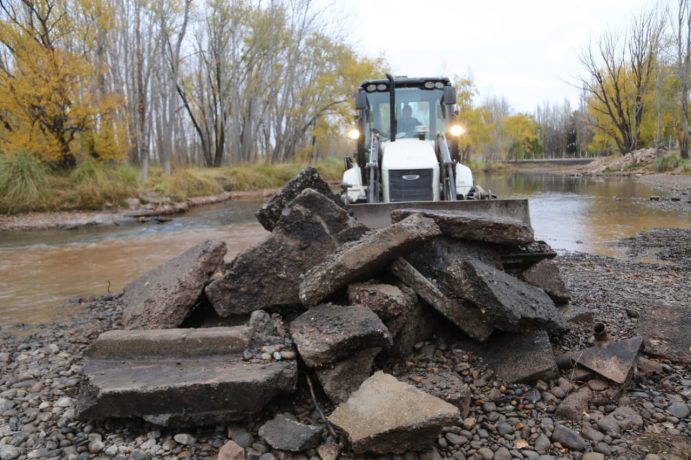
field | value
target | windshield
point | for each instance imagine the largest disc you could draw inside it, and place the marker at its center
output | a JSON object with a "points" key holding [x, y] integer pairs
{"points": [[414, 107]]}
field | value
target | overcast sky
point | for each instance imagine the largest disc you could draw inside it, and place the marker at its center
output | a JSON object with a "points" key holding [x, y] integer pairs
{"points": [[526, 51]]}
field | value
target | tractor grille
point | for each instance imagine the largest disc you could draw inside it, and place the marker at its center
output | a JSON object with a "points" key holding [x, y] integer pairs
{"points": [[410, 185]]}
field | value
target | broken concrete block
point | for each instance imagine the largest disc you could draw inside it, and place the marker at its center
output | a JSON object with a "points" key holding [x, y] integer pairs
{"points": [[329, 333], [197, 379], [185, 343], [164, 297], [510, 304], [666, 328], [270, 212], [474, 227], [283, 433], [344, 377], [516, 358], [612, 360], [545, 275], [467, 317], [523, 256], [417, 325], [446, 385], [363, 258], [309, 230], [387, 416], [386, 300], [575, 405]]}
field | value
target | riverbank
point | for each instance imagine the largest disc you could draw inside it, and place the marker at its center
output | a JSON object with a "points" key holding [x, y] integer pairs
{"points": [[41, 373]]}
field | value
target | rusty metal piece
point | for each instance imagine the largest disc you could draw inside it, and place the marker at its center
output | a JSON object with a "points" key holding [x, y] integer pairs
{"points": [[600, 332], [612, 360]]}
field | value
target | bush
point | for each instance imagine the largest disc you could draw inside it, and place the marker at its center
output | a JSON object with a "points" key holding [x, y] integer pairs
{"points": [[667, 163], [22, 182], [93, 185]]}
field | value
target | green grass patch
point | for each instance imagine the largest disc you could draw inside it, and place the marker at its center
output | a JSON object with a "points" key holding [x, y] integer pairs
{"points": [[667, 163], [22, 182]]}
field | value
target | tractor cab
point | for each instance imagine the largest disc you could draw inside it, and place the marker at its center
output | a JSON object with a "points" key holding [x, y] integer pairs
{"points": [[407, 143]]}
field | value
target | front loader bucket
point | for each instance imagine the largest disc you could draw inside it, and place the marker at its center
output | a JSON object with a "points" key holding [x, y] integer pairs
{"points": [[376, 215]]}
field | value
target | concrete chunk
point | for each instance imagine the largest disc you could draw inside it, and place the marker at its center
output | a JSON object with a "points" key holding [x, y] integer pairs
{"points": [[387, 416], [386, 300], [613, 360], [283, 433], [474, 227], [666, 328], [545, 275], [575, 405], [511, 304], [329, 333], [446, 385], [344, 377], [363, 258], [270, 212], [523, 357], [163, 297], [125, 344], [309, 230], [468, 318], [198, 379]]}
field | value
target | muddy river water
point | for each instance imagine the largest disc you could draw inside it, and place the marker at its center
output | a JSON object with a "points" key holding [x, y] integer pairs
{"points": [[43, 272]]}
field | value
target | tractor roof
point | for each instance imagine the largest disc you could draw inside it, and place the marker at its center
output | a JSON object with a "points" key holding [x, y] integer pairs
{"points": [[406, 82]]}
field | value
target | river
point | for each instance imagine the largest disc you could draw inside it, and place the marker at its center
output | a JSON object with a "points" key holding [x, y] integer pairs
{"points": [[43, 273]]}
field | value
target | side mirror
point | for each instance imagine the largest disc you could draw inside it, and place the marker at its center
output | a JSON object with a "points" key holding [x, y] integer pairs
{"points": [[360, 100], [449, 95]]}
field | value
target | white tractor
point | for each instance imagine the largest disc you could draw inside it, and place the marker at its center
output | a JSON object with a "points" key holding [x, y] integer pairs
{"points": [[404, 158]]}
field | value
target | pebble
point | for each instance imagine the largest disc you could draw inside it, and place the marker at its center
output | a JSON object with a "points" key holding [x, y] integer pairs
{"points": [[568, 438], [96, 446], [502, 454], [679, 410], [469, 423], [542, 444], [184, 439], [593, 456], [485, 453], [8, 452], [456, 439], [505, 428]]}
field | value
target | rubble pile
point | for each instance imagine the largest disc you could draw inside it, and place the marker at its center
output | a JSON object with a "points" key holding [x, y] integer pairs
{"points": [[326, 301]]}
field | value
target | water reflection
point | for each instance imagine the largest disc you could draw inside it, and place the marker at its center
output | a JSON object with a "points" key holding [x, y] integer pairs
{"points": [[39, 271]]}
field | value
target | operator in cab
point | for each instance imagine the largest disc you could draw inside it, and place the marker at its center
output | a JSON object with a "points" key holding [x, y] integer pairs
{"points": [[407, 123]]}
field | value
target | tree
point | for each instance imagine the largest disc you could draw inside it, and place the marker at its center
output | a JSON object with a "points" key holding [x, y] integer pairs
{"points": [[522, 131], [619, 70], [47, 102], [682, 32]]}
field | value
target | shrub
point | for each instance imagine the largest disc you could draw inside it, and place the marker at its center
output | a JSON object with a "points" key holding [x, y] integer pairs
{"points": [[667, 163], [22, 182]]}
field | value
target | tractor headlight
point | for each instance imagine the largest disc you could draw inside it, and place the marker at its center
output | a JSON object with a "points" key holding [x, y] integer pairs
{"points": [[457, 130], [354, 134]]}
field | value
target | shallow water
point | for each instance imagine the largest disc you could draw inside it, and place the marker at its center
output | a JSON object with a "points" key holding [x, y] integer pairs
{"points": [[41, 270]]}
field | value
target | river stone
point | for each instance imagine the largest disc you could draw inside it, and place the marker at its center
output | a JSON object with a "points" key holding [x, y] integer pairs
{"points": [[621, 419], [568, 438], [467, 317], [666, 328], [231, 451], [310, 229], [164, 297], [575, 404], [387, 416], [271, 211], [474, 227], [344, 377], [329, 333], [510, 304], [363, 258], [283, 433], [545, 275]]}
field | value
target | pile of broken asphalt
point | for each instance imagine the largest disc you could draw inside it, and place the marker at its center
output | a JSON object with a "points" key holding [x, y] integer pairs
{"points": [[416, 346]]}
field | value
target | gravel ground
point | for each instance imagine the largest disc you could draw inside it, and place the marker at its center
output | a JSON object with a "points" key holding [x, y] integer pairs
{"points": [[41, 374]]}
